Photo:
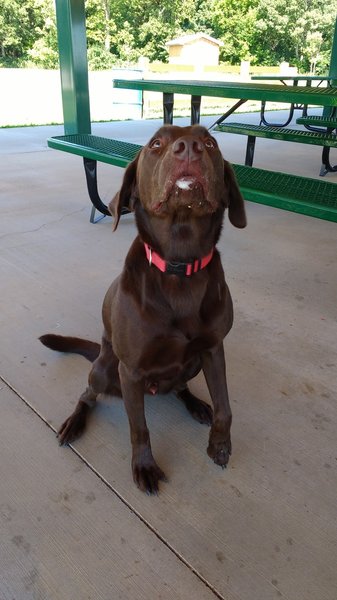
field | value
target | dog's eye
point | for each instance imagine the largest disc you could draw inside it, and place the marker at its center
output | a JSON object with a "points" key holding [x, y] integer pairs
{"points": [[210, 143], [155, 143]]}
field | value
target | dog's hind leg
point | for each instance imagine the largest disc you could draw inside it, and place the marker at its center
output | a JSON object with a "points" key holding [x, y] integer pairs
{"points": [[198, 409], [74, 425], [103, 378]]}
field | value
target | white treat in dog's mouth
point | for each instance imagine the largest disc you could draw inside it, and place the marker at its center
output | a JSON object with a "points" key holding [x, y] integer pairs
{"points": [[185, 183]]}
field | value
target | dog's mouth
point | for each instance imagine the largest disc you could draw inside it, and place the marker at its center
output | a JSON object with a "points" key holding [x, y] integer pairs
{"points": [[187, 183], [186, 191]]}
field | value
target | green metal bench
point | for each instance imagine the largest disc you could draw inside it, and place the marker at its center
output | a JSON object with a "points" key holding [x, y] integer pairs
{"points": [[322, 124], [318, 138], [290, 192], [303, 195], [329, 122], [95, 148]]}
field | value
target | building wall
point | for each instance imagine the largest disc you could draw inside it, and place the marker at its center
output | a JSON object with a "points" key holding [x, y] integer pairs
{"points": [[33, 97], [196, 53]]}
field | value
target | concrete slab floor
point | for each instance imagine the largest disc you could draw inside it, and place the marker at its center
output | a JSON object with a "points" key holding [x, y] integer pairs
{"points": [[72, 523]]}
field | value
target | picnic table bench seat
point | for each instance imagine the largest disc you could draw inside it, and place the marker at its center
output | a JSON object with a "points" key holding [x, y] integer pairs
{"points": [[321, 121], [318, 138], [93, 149], [290, 192], [295, 193], [113, 152]]}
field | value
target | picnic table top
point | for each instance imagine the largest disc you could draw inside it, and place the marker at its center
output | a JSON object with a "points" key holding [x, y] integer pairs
{"points": [[236, 89]]}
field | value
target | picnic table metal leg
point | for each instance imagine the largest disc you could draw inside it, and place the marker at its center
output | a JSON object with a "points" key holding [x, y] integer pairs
{"points": [[195, 109], [227, 114], [265, 122], [168, 101], [291, 111], [90, 168], [326, 165], [250, 150]]}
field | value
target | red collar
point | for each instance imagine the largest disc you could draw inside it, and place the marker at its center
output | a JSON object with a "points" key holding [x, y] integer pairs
{"points": [[174, 267]]}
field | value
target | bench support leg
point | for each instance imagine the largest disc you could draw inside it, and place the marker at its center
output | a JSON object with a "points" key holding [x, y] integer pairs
{"points": [[168, 101], [92, 216], [195, 109], [326, 165], [90, 168], [250, 150], [265, 122]]}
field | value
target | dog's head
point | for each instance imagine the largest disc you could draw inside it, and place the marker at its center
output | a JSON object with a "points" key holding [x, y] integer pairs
{"points": [[180, 170]]}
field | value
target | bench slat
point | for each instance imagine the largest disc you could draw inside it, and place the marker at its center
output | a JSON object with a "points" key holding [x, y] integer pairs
{"points": [[279, 133]]}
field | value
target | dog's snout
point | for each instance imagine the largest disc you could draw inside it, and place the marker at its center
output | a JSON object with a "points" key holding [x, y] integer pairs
{"points": [[188, 148]]}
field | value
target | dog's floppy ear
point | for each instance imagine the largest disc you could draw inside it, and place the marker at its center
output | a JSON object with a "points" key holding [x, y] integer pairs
{"points": [[236, 205], [127, 195]]}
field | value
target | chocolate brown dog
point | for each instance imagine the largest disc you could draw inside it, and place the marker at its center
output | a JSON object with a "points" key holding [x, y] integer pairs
{"points": [[166, 315]]}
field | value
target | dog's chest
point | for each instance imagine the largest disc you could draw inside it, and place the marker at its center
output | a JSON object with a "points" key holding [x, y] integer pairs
{"points": [[169, 351], [184, 299]]}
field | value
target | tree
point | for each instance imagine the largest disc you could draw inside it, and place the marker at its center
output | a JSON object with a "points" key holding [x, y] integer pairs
{"points": [[234, 23], [44, 52], [18, 22], [143, 27], [285, 28], [263, 31], [312, 49]]}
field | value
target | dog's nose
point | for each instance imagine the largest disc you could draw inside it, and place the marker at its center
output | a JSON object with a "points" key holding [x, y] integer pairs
{"points": [[188, 149]]}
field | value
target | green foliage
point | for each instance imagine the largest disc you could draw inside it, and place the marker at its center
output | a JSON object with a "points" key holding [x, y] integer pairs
{"points": [[262, 31], [234, 24], [28, 33], [18, 19], [297, 31], [44, 52]]}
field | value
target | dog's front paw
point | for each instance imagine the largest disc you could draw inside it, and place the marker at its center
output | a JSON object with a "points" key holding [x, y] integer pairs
{"points": [[219, 450], [147, 476]]}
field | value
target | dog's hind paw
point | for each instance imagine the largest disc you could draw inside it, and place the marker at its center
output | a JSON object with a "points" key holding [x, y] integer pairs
{"points": [[198, 409], [73, 427]]}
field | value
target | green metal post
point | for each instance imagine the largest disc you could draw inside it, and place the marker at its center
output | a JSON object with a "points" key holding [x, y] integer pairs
{"points": [[71, 31]]}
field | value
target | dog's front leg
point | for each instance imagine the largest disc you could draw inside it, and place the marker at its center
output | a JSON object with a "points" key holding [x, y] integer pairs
{"points": [[214, 367], [146, 473]]}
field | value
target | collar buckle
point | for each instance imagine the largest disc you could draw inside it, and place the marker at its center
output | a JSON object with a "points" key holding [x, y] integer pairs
{"points": [[176, 268]]}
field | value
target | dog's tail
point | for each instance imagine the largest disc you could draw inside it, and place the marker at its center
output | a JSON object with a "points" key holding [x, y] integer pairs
{"points": [[61, 343]]}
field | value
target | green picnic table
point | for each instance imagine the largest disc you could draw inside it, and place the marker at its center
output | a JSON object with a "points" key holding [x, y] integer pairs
{"points": [[290, 192], [243, 91], [228, 89]]}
